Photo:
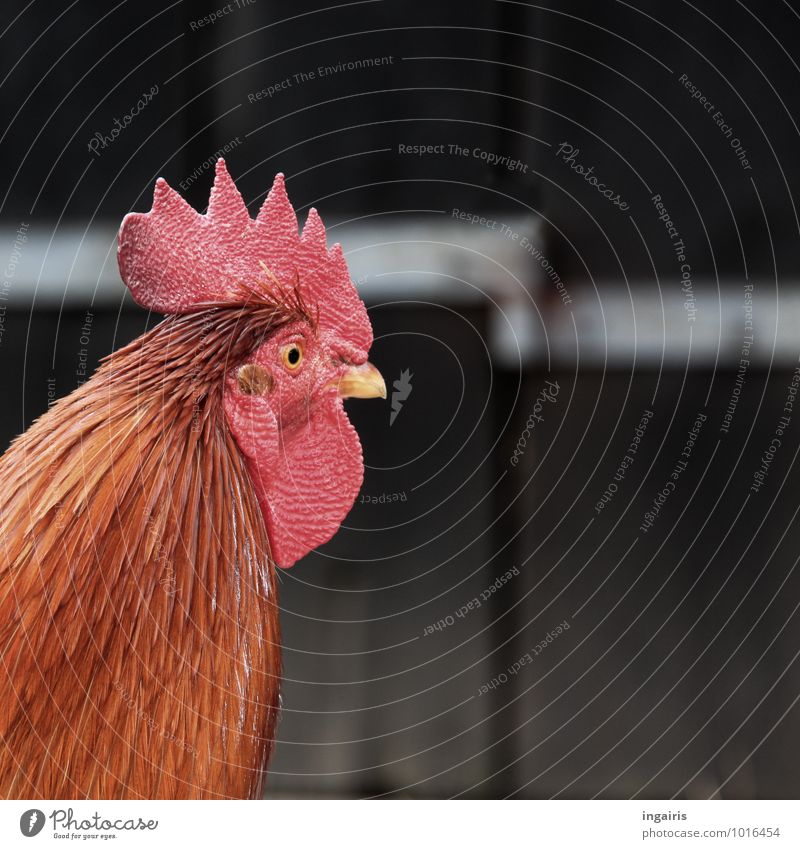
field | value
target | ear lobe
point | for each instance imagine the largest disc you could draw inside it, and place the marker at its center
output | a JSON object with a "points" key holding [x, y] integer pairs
{"points": [[253, 379], [253, 425]]}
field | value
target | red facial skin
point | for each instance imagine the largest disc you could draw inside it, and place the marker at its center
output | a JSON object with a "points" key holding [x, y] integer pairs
{"points": [[302, 453]]}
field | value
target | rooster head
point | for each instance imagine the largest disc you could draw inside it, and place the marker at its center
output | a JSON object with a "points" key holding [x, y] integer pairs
{"points": [[284, 403]]}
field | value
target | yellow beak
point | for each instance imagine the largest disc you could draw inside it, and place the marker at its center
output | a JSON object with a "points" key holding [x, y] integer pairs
{"points": [[363, 381]]}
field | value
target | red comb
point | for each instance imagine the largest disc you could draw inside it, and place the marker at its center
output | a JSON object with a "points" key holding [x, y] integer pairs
{"points": [[173, 259]]}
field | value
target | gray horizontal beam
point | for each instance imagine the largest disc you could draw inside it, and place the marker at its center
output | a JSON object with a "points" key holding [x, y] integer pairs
{"points": [[445, 260]]}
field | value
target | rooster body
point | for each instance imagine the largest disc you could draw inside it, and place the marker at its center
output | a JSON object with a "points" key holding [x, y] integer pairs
{"points": [[143, 515]]}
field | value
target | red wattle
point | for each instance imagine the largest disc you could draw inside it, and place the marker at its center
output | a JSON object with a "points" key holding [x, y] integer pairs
{"points": [[308, 489]]}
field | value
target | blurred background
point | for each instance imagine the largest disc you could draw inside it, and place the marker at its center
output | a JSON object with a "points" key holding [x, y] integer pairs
{"points": [[572, 570]]}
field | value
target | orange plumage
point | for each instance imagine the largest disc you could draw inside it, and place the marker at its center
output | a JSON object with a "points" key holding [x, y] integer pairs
{"points": [[138, 613]]}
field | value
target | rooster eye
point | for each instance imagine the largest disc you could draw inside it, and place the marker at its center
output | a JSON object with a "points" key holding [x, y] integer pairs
{"points": [[292, 356]]}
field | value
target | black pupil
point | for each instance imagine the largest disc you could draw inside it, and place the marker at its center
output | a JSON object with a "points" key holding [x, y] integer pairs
{"points": [[294, 356]]}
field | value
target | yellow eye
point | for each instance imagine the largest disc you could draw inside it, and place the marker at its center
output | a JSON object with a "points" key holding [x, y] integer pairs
{"points": [[292, 355]]}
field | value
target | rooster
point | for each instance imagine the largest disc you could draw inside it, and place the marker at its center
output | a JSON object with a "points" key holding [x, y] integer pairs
{"points": [[143, 515]]}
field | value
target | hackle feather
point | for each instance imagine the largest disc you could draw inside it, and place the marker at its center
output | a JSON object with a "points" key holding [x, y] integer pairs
{"points": [[139, 635]]}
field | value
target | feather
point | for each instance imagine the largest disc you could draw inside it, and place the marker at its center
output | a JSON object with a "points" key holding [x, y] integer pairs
{"points": [[139, 627]]}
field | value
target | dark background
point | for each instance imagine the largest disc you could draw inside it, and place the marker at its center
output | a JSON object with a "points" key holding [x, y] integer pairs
{"points": [[678, 675]]}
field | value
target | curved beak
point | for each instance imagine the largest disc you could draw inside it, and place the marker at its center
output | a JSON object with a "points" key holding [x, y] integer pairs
{"points": [[364, 381]]}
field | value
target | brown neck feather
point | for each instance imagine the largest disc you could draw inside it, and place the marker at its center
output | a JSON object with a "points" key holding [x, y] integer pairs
{"points": [[139, 638]]}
